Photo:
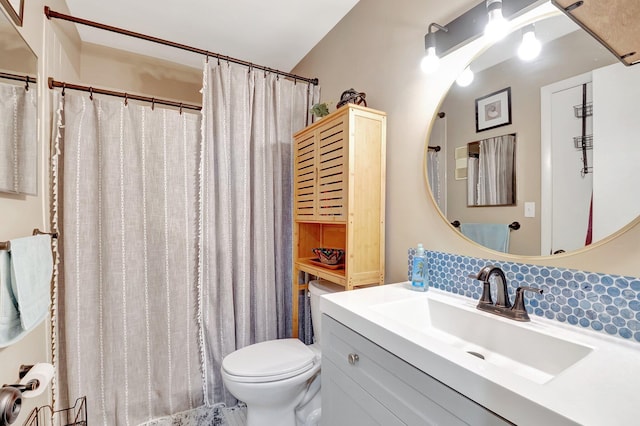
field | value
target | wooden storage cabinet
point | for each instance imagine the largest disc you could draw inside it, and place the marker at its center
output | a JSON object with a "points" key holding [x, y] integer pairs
{"points": [[339, 196], [362, 383]]}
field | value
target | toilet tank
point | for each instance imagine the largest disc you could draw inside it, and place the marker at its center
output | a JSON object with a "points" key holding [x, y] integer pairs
{"points": [[316, 289]]}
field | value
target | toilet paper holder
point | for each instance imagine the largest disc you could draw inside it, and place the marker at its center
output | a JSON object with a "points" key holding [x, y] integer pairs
{"points": [[11, 396]]}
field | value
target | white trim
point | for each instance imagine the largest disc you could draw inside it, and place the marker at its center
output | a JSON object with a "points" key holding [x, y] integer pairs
{"points": [[167, 281], [123, 257]]}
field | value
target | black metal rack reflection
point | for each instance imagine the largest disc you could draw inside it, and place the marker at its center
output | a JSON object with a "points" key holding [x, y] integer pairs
{"points": [[584, 142]]}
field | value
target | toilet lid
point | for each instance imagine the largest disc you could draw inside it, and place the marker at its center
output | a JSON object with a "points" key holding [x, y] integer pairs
{"points": [[268, 361]]}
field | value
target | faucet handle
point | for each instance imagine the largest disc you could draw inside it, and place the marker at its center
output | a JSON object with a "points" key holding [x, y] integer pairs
{"points": [[483, 275], [518, 309]]}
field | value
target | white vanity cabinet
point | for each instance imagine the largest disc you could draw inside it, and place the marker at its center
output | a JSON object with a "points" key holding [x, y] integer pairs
{"points": [[363, 384]]}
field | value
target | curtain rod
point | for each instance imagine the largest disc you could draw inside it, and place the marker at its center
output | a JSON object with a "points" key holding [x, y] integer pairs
{"points": [[53, 14], [53, 83], [17, 77]]}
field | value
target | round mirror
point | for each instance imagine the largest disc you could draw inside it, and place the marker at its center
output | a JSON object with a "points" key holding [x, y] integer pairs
{"points": [[537, 156], [18, 112]]}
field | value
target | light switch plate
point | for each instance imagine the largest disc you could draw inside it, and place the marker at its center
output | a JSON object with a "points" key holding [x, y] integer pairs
{"points": [[529, 209]]}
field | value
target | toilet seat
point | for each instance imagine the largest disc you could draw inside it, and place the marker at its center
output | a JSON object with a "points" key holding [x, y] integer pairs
{"points": [[269, 361]]}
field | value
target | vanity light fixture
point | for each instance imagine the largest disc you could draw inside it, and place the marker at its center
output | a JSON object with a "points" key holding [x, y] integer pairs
{"points": [[431, 61], [530, 47], [465, 78], [497, 27]]}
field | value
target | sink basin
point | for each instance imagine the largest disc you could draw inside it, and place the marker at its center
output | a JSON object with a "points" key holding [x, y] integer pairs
{"points": [[507, 344]]}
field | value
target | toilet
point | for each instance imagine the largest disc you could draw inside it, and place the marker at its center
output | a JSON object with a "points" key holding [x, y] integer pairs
{"points": [[279, 380]]}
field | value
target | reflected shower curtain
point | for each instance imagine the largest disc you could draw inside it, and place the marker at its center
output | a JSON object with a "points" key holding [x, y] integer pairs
{"points": [[249, 118], [126, 202], [496, 171], [433, 176], [18, 139]]}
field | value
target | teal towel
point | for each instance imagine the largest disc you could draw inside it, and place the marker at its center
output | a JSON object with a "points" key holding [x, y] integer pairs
{"points": [[10, 327], [31, 269], [491, 235]]}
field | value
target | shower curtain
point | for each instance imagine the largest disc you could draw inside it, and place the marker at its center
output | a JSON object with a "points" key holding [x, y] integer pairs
{"points": [[173, 252], [18, 139], [125, 300], [249, 118], [433, 176], [496, 171]]}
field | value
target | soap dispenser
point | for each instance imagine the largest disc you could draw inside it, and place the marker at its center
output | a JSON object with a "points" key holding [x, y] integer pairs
{"points": [[419, 270]]}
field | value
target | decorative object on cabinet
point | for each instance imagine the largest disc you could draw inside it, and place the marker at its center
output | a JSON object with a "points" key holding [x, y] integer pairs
{"points": [[339, 198], [320, 110], [329, 256], [352, 96]]}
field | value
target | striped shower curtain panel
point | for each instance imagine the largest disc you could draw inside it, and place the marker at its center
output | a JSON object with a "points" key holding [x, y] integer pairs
{"points": [[125, 202], [249, 119]]}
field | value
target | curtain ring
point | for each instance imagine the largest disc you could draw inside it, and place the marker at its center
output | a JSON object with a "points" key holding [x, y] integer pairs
{"points": [[26, 85], [265, 72], [180, 108], [126, 99], [218, 57], [250, 66], [207, 57], [91, 93], [227, 60], [295, 81], [153, 103], [64, 87]]}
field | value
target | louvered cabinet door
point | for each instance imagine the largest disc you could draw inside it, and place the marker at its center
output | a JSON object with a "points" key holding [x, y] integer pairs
{"points": [[305, 178], [332, 170]]}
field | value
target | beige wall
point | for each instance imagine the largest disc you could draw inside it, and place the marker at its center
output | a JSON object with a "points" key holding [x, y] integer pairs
{"points": [[377, 49], [128, 72]]}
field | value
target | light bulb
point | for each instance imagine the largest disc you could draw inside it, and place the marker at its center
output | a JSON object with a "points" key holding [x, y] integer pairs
{"points": [[465, 78], [530, 47], [497, 27], [430, 62]]}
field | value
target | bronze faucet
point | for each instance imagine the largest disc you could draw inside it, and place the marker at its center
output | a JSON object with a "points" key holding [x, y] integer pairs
{"points": [[502, 306]]}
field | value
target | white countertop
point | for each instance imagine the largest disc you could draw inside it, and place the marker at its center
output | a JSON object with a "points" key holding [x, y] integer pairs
{"points": [[601, 389]]}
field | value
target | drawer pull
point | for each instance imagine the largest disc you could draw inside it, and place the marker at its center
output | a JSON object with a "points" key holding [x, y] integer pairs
{"points": [[353, 358]]}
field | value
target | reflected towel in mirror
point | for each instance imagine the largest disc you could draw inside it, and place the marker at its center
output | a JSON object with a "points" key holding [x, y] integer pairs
{"points": [[491, 235], [31, 269]]}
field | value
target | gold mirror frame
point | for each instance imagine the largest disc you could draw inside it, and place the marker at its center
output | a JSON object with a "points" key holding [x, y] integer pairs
{"points": [[456, 64]]}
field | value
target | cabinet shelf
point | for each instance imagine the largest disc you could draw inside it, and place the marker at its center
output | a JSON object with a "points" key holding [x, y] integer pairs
{"points": [[334, 275]]}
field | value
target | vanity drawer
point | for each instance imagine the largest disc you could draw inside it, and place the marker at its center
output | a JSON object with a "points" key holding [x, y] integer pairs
{"points": [[412, 396]]}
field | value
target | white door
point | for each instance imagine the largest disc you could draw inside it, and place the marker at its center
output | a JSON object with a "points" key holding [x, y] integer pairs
{"points": [[566, 189]]}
